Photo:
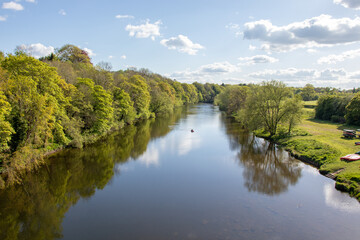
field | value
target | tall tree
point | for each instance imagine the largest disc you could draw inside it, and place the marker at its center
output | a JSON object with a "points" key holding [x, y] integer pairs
{"points": [[36, 94], [353, 111], [138, 90], [268, 106], [308, 92], [73, 54]]}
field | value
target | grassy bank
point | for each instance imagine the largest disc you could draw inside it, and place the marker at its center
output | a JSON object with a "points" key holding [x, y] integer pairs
{"points": [[321, 144]]}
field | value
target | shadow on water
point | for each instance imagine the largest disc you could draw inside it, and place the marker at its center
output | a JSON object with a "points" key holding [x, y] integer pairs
{"points": [[267, 169], [36, 208]]}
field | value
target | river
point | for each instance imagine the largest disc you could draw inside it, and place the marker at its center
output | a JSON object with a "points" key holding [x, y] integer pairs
{"points": [[158, 180]]}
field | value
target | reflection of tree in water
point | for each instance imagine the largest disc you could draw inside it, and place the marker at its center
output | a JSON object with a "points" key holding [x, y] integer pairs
{"points": [[267, 169], [35, 209]]}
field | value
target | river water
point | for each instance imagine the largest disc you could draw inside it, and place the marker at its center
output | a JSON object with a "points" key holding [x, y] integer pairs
{"points": [[158, 180]]}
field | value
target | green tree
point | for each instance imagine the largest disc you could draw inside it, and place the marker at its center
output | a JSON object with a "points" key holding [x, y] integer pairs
{"points": [[161, 102], [232, 99], [2, 56], [73, 54], [268, 106], [6, 129], [36, 94], [95, 106], [138, 90], [353, 111], [308, 93], [123, 106], [295, 112], [332, 107]]}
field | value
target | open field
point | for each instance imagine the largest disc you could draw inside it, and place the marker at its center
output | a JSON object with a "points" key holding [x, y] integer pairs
{"points": [[326, 132], [322, 144]]}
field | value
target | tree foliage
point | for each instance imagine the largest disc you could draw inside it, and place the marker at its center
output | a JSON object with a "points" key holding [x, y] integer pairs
{"points": [[62, 100], [73, 54], [353, 111], [268, 106], [332, 107]]}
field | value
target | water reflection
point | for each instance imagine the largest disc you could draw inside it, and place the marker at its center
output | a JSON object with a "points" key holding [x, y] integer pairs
{"points": [[150, 157], [35, 209], [339, 200], [267, 169]]}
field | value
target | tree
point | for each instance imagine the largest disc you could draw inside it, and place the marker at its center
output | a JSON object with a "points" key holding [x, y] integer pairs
{"points": [[106, 66], [332, 107], [295, 112], [73, 54], [123, 106], [36, 94], [232, 99], [308, 93], [95, 106], [353, 111], [161, 101], [269, 104], [6, 129], [138, 90], [2, 56]]}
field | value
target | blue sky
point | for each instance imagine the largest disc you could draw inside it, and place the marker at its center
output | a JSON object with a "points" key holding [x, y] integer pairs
{"points": [[223, 41]]}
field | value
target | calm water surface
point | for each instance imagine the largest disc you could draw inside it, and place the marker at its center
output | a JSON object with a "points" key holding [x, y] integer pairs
{"points": [[158, 180]]}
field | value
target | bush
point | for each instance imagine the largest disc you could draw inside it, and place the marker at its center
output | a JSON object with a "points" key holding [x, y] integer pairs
{"points": [[331, 105], [338, 119], [353, 111]]}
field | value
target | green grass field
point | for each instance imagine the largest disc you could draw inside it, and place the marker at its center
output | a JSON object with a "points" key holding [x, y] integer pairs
{"points": [[329, 137]]}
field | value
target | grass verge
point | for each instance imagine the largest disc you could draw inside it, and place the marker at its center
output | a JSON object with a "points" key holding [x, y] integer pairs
{"points": [[321, 143]]}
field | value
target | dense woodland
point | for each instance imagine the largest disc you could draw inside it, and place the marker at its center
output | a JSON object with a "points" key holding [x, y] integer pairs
{"points": [[63, 100]]}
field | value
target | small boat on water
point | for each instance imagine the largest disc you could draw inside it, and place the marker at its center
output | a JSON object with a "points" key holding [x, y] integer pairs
{"points": [[351, 157]]}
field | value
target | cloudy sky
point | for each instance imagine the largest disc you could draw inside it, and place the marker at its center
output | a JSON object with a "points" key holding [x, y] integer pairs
{"points": [[220, 41]]}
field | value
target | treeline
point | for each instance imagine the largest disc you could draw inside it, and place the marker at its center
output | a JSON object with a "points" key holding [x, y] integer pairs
{"points": [[64, 100], [268, 106], [310, 93], [339, 108]]}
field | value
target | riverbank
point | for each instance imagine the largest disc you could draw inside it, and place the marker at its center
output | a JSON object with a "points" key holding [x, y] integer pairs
{"points": [[320, 143], [28, 159]]}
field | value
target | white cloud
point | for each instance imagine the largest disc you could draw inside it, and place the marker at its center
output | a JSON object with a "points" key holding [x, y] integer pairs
{"points": [[234, 28], [13, 6], [188, 143], [89, 52], [124, 16], [150, 157], [205, 73], [111, 57], [284, 74], [311, 50], [349, 3], [30, 1], [182, 44], [147, 30], [314, 32], [3, 18], [36, 50], [332, 59], [219, 67], [62, 12], [257, 59], [299, 77], [252, 48], [355, 75], [123, 57], [339, 200]]}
